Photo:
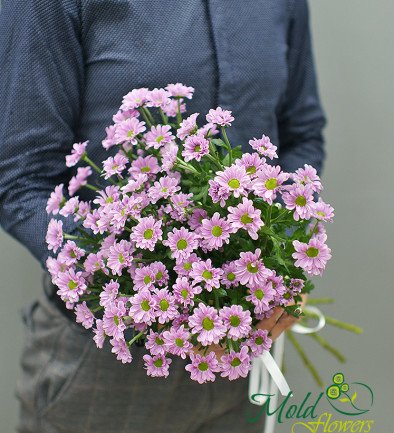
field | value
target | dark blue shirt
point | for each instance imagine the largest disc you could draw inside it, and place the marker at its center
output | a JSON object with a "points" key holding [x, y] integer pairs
{"points": [[65, 65]]}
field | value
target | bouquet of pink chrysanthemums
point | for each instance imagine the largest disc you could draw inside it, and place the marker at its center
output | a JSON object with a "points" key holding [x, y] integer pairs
{"points": [[189, 242]]}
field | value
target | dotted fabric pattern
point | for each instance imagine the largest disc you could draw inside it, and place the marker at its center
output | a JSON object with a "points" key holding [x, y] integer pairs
{"points": [[66, 64]]}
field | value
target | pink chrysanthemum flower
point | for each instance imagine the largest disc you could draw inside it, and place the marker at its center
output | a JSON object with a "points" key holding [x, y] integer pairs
{"points": [[179, 90], [181, 243], [54, 236], [166, 309], [177, 342], [229, 279], [84, 316], [264, 147], [99, 334], [234, 180], [208, 130], [136, 184], [168, 156], [218, 193], [214, 232], [158, 136], [77, 153], [250, 268], [187, 126], [206, 323], [171, 108], [157, 98], [127, 131], [196, 218], [109, 195], [300, 199], [313, 256], [113, 323], [122, 115], [157, 366], [295, 286], [203, 368], [70, 253], [71, 285], [134, 99], [165, 187], [143, 307], [316, 229], [269, 182], [180, 206], [114, 165], [261, 295], [235, 364], [258, 342], [195, 147], [109, 293], [144, 278], [308, 176], [55, 200], [70, 207], [183, 267], [79, 180], [109, 140], [252, 163], [155, 343], [147, 233], [237, 321], [144, 165], [120, 256], [121, 350], [245, 216], [323, 211], [220, 117], [184, 291], [160, 272], [203, 271]]}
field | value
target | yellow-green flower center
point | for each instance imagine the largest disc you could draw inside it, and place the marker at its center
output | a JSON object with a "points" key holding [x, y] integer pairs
{"points": [[116, 320], [159, 276], [259, 340], [207, 275], [148, 234], [217, 231], [184, 293], [179, 342], [130, 134], [181, 244], [207, 324], [234, 183], [231, 276], [159, 138], [158, 362], [203, 366], [312, 252], [164, 304], [147, 279], [159, 341], [235, 320], [197, 148], [145, 169], [235, 362], [300, 200], [251, 169], [259, 294], [245, 219], [121, 258], [145, 305], [72, 285], [271, 183], [252, 268], [187, 266]]}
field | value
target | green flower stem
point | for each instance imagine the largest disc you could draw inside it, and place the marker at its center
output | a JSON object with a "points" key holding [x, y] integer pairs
{"points": [[144, 115], [94, 310], [164, 118], [228, 145], [73, 237], [326, 345], [92, 187], [91, 163], [317, 301], [217, 303], [186, 166], [136, 337], [215, 161], [178, 113], [335, 322], [304, 357]]}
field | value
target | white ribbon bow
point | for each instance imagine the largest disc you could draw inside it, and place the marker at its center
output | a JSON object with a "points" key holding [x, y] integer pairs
{"points": [[267, 378]]}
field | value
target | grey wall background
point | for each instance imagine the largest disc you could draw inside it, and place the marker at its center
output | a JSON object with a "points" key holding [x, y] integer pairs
{"points": [[353, 43]]}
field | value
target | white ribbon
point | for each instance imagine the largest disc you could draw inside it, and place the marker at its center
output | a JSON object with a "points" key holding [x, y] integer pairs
{"points": [[266, 377]]}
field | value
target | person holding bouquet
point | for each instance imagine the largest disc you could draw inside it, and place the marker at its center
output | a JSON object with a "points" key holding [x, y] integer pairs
{"points": [[65, 68]]}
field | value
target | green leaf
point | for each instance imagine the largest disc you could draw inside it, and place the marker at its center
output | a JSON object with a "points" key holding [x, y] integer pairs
{"points": [[218, 142]]}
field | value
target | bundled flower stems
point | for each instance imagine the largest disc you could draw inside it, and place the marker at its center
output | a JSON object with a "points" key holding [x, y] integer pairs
{"points": [[189, 243]]}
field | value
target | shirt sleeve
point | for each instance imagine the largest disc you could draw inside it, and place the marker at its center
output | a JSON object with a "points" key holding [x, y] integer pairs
{"points": [[41, 77], [301, 117]]}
